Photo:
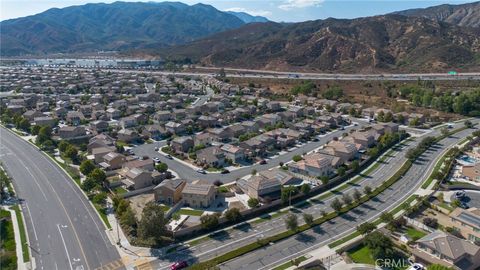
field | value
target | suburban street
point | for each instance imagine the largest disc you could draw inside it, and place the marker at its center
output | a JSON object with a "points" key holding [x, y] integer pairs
{"points": [[63, 229], [189, 174]]}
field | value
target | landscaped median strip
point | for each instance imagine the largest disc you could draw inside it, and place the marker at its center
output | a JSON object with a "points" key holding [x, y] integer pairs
{"points": [[293, 262]]}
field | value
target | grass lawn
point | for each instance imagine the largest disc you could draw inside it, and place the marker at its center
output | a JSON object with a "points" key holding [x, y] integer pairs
{"points": [[446, 206], [190, 212], [7, 243], [344, 240], [120, 190], [222, 189], [23, 234], [101, 210], [361, 254], [415, 234]]}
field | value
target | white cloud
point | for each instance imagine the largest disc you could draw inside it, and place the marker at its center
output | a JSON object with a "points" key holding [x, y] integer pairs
{"points": [[292, 4], [251, 12]]}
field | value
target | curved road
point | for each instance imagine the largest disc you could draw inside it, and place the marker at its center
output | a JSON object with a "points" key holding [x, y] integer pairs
{"points": [[64, 230]]}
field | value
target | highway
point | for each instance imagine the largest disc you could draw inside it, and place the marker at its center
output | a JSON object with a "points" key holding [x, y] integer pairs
{"points": [[330, 231], [64, 230], [294, 75]]}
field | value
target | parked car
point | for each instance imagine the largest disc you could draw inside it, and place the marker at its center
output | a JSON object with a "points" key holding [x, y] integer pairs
{"points": [[225, 171], [179, 265], [201, 171], [156, 148], [416, 266], [156, 159], [169, 156], [459, 194], [263, 162]]}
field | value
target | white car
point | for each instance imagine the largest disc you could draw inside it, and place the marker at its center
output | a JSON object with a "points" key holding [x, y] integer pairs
{"points": [[156, 159]]}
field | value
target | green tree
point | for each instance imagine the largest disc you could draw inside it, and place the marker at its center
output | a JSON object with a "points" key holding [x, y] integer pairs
{"points": [[291, 222], [151, 227], [89, 184], [252, 202], [297, 158], [305, 188], [209, 221], [24, 124], [233, 215], [86, 167], [100, 198], [336, 205], [35, 129], [98, 175], [366, 228], [287, 192], [347, 199], [356, 195], [380, 245], [386, 217], [308, 218], [341, 171], [367, 190], [71, 152], [44, 134], [324, 179], [355, 165], [161, 167], [62, 146]]}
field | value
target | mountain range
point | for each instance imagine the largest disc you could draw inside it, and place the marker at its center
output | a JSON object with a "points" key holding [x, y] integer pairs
{"points": [[431, 39], [463, 15], [116, 26], [387, 42]]}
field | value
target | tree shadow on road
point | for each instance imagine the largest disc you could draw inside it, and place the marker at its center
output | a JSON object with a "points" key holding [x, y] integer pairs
{"points": [[305, 238]]}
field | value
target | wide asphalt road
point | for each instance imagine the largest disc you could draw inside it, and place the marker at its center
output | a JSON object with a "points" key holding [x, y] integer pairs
{"points": [[64, 230]]}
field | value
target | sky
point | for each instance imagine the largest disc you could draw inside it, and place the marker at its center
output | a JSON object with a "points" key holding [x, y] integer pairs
{"points": [[276, 10]]}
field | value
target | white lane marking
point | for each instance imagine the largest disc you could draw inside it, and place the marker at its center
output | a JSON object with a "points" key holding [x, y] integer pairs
{"points": [[33, 177], [31, 220], [65, 246]]}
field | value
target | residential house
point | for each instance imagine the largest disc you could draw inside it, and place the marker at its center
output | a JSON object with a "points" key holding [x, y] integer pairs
{"points": [[146, 164], [128, 122], [258, 186], [445, 249], [234, 153], [127, 135], [99, 152], [344, 150], [45, 121], [75, 118], [155, 132], [71, 132], [169, 191], [98, 126], [467, 222], [137, 178], [112, 161], [100, 140], [182, 144], [205, 121], [219, 134], [203, 138], [199, 195], [212, 156], [175, 128], [316, 165]]}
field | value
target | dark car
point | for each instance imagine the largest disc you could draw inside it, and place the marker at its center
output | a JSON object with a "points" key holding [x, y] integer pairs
{"points": [[169, 156], [179, 265], [263, 162], [225, 171]]}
